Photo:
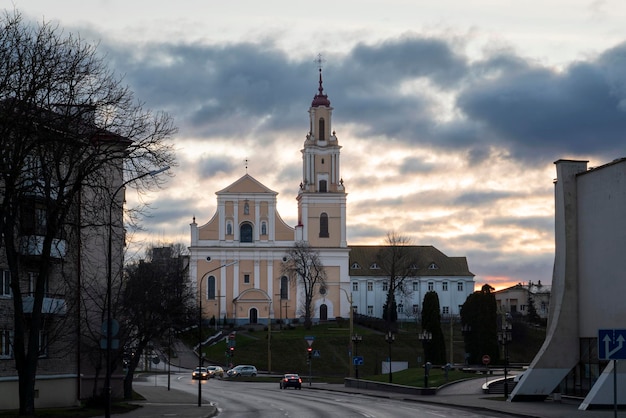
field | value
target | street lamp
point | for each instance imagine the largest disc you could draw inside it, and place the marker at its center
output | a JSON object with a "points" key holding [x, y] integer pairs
{"points": [[505, 336], [425, 337], [200, 321], [356, 339], [109, 324], [390, 338]]}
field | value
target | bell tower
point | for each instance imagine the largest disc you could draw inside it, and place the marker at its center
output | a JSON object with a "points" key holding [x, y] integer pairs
{"points": [[322, 196]]}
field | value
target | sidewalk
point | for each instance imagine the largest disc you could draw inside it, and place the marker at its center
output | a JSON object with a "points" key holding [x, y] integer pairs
{"points": [[464, 395]]}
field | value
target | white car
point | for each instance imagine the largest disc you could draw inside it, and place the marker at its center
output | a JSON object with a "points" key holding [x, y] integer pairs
{"points": [[242, 370]]}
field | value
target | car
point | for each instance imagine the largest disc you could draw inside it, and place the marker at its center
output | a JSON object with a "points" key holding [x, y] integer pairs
{"points": [[242, 370], [200, 373], [291, 380], [215, 371]]}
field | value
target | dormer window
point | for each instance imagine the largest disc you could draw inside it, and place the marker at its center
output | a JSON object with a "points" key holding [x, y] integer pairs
{"points": [[374, 266], [433, 266], [355, 266], [413, 267]]}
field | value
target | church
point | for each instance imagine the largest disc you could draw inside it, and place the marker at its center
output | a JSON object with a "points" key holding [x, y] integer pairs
{"points": [[236, 256]]}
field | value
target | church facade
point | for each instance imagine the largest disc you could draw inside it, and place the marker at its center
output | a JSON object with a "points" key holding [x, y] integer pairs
{"points": [[235, 257]]}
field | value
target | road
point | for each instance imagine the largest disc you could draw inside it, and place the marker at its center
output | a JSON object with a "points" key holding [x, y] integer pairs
{"points": [[266, 400]]}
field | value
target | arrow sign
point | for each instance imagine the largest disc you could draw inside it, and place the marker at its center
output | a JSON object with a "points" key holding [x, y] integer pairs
{"points": [[611, 344]]}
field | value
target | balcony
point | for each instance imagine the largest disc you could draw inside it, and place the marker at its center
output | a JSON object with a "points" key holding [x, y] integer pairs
{"points": [[50, 306], [33, 245]]}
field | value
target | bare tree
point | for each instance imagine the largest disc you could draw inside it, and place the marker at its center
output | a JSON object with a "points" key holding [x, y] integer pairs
{"points": [[305, 270], [70, 132], [157, 300], [398, 261]]}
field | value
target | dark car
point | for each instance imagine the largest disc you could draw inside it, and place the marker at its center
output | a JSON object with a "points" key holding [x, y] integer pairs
{"points": [[200, 373], [291, 380]]}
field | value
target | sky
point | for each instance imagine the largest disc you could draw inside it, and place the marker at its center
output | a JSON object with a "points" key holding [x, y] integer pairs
{"points": [[450, 113]]}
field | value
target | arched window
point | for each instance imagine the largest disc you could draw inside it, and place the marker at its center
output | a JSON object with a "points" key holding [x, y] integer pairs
{"points": [[323, 225], [323, 186], [322, 129], [245, 233], [284, 287], [263, 228], [323, 312], [210, 288]]}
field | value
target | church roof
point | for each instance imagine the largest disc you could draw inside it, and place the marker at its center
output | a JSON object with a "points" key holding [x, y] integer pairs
{"points": [[429, 261], [246, 184]]}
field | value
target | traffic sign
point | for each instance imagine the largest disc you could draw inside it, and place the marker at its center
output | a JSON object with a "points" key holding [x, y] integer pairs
{"points": [[357, 360], [309, 339], [486, 359], [612, 344], [317, 354]]}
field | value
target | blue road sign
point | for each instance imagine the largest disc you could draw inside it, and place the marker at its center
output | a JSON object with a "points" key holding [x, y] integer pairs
{"points": [[357, 360], [317, 354], [612, 344]]}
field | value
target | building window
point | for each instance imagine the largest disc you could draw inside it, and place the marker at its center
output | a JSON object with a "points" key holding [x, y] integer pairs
{"points": [[416, 286], [459, 286], [6, 347], [322, 129], [323, 186], [446, 310], [374, 266], [210, 288], [246, 278], [370, 310], [400, 308], [355, 286], [445, 286], [355, 266], [323, 225], [245, 233], [263, 228], [5, 283], [431, 286], [284, 287], [416, 309], [433, 266], [522, 308], [43, 344], [385, 286], [32, 283], [370, 286]]}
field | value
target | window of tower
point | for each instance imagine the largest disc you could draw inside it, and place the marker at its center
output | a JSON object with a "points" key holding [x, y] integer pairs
{"points": [[322, 130], [323, 186], [323, 225]]}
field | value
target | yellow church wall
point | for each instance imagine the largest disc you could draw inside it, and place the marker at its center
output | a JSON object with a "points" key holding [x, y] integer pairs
{"points": [[210, 230]]}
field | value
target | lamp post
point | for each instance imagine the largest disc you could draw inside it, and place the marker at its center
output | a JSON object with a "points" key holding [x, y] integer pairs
{"points": [[109, 324], [200, 322], [349, 297], [505, 336], [425, 337], [390, 338], [356, 339]]}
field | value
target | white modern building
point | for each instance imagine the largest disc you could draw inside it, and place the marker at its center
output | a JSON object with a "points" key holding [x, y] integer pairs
{"points": [[588, 288]]}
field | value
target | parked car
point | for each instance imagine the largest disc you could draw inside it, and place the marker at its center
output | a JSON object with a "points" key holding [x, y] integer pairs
{"points": [[215, 371], [200, 373], [242, 370], [291, 380]]}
